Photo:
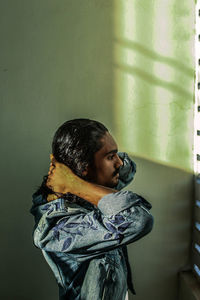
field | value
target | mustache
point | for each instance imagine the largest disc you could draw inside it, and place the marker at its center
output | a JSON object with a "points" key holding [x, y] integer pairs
{"points": [[116, 172]]}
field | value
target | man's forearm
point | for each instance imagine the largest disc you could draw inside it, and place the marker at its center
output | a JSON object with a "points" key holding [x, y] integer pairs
{"points": [[62, 180], [91, 192]]}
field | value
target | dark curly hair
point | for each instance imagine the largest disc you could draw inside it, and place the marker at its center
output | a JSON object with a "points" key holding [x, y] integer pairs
{"points": [[74, 144]]}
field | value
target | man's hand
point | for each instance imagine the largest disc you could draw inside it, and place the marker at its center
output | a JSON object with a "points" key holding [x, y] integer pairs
{"points": [[61, 179]]}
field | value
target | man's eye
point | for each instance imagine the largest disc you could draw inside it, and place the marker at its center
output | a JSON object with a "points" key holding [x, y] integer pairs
{"points": [[110, 157]]}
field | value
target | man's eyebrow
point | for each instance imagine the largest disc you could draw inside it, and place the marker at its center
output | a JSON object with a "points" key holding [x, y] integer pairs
{"points": [[112, 151]]}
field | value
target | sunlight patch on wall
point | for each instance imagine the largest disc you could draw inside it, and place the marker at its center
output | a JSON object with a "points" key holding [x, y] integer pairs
{"points": [[153, 85], [125, 83], [164, 72], [127, 26]]}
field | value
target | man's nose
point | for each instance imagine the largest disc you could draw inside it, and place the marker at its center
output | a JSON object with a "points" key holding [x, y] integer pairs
{"points": [[118, 162]]}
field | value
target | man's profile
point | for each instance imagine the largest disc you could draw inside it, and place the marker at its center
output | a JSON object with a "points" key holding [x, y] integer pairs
{"points": [[83, 220]]}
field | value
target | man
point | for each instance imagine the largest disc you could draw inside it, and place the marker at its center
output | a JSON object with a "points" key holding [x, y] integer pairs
{"points": [[83, 220]]}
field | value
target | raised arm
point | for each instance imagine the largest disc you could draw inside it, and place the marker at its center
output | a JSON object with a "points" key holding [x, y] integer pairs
{"points": [[119, 219], [62, 180]]}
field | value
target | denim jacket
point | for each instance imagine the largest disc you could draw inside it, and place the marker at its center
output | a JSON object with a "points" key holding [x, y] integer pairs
{"points": [[85, 246]]}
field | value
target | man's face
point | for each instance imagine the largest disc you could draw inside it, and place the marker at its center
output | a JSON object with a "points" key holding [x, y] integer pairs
{"points": [[106, 163]]}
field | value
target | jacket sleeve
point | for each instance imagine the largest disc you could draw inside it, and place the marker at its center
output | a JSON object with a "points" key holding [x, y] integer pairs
{"points": [[126, 172], [120, 219]]}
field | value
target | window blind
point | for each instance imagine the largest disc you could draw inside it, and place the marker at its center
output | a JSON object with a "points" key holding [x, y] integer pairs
{"points": [[196, 219]]}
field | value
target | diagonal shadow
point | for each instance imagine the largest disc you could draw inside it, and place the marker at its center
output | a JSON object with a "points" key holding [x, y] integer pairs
{"points": [[154, 80], [157, 57]]}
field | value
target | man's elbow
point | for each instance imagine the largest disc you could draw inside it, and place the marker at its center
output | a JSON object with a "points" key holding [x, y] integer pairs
{"points": [[144, 223], [149, 223]]}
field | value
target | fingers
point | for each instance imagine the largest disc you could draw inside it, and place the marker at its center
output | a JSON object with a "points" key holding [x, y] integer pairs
{"points": [[49, 183], [52, 164], [52, 158], [50, 173], [51, 168], [52, 197]]}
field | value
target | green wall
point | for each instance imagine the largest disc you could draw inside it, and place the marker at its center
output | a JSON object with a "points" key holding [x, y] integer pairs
{"points": [[128, 64], [153, 79]]}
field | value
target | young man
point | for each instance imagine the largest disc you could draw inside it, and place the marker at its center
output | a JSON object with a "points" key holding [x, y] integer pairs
{"points": [[83, 220]]}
